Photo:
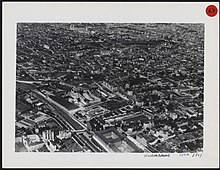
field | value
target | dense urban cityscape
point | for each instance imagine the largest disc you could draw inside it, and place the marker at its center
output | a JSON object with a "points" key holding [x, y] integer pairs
{"points": [[109, 87]]}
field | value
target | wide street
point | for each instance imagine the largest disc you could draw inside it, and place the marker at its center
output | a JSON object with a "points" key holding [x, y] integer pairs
{"points": [[62, 113]]}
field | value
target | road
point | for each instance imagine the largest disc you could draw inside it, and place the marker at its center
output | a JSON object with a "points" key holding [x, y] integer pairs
{"points": [[28, 82], [92, 147], [62, 113]]}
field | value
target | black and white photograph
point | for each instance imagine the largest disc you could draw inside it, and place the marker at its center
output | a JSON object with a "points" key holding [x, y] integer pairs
{"points": [[109, 87]]}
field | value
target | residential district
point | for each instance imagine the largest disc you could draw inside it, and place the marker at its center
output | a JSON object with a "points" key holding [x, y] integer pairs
{"points": [[109, 87]]}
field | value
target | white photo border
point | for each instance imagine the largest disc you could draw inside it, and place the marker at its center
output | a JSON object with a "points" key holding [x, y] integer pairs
{"points": [[141, 12]]}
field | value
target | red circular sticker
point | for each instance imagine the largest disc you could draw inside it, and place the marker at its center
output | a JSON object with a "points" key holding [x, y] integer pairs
{"points": [[211, 10]]}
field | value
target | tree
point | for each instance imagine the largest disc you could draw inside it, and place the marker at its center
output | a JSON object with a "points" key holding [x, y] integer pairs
{"points": [[171, 106], [78, 99]]}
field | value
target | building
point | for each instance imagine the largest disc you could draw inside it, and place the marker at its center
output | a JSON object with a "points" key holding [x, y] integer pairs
{"points": [[145, 139], [48, 135], [114, 141], [111, 87], [52, 145], [64, 134], [32, 142], [148, 124]]}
